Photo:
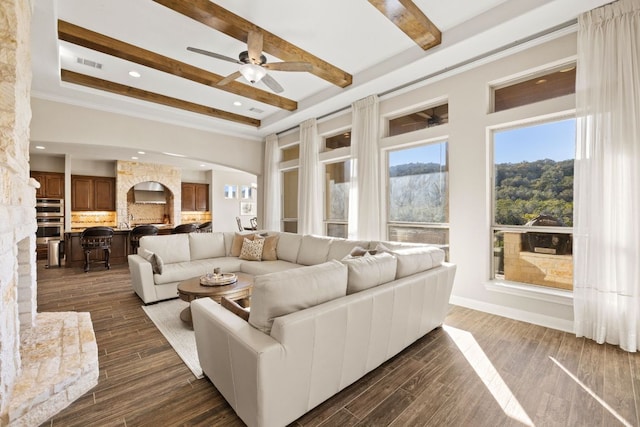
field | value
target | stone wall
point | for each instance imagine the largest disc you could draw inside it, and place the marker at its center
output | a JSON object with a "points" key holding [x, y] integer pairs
{"points": [[17, 193]]}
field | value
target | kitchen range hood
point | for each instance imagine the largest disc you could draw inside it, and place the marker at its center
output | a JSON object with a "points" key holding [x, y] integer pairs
{"points": [[149, 192]]}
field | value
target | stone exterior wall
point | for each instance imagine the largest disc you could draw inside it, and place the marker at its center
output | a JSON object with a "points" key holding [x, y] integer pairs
{"points": [[129, 174], [555, 271], [17, 193]]}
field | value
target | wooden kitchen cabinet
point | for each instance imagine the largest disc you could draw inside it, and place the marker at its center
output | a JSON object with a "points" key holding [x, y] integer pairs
{"points": [[51, 184], [195, 197], [74, 254], [92, 193]]}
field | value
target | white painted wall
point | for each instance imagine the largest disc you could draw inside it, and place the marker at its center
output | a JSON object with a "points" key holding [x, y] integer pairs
{"points": [[225, 211], [46, 163], [105, 168]]}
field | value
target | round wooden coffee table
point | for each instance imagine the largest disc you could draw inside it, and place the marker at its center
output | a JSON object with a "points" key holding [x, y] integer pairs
{"points": [[191, 289]]}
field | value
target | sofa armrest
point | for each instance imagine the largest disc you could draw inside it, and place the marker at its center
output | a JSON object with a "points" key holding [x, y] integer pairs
{"points": [[235, 356], [142, 278]]}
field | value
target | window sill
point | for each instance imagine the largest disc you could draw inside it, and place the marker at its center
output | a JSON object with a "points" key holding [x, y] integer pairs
{"points": [[556, 296]]}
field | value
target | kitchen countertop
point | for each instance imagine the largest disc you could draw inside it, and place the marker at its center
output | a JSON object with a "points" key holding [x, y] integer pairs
{"points": [[115, 229]]}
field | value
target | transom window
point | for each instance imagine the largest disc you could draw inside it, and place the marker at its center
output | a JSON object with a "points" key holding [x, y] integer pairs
{"points": [[429, 117]]}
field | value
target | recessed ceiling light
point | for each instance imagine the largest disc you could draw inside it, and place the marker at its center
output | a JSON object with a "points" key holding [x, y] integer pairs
{"points": [[141, 152], [134, 158], [202, 166], [134, 74], [173, 154], [237, 103], [39, 147]]}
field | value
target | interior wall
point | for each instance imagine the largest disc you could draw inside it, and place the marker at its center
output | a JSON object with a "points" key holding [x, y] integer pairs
{"points": [[225, 211], [106, 168], [46, 163]]}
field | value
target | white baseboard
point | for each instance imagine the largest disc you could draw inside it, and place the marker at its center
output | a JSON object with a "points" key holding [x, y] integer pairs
{"points": [[512, 313]]}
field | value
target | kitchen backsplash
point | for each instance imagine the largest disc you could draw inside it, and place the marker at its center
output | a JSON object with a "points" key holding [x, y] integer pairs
{"points": [[199, 217], [81, 219], [146, 213]]}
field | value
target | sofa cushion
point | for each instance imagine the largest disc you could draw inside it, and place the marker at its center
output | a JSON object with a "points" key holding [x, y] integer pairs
{"points": [[288, 246], [340, 248], [256, 268], [313, 250], [413, 260], [370, 270], [170, 248], [206, 245], [180, 271], [277, 294], [252, 249]]}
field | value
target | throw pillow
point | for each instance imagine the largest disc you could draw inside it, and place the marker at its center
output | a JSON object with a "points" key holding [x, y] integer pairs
{"points": [[155, 260], [358, 251], [269, 248], [252, 249], [235, 308], [238, 239]]}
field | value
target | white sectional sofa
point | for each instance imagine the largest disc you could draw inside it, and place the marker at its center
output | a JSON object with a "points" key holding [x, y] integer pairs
{"points": [[320, 319]]}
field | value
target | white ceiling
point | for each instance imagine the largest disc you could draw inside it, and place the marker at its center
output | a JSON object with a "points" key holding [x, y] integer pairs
{"points": [[352, 35]]}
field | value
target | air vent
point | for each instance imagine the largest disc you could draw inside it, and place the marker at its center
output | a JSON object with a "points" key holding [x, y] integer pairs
{"points": [[89, 63], [256, 110]]}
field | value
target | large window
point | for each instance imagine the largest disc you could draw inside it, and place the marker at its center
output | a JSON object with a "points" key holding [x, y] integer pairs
{"points": [[290, 201], [418, 199], [336, 204], [533, 204]]}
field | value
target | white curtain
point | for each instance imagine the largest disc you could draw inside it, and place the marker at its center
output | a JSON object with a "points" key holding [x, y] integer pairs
{"points": [[607, 176], [309, 181], [272, 188], [364, 193]]}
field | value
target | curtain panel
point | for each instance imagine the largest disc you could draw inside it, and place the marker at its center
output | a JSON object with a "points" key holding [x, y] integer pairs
{"points": [[271, 195], [607, 176], [309, 181], [364, 191]]}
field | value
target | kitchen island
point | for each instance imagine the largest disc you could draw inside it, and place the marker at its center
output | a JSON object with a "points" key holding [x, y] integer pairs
{"points": [[74, 255]]}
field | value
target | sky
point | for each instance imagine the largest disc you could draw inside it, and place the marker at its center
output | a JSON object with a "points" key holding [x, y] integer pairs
{"points": [[552, 140]]}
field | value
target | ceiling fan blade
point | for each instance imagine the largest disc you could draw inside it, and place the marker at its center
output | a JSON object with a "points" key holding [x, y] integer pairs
{"points": [[231, 77], [213, 55], [254, 46], [272, 84], [289, 66]]}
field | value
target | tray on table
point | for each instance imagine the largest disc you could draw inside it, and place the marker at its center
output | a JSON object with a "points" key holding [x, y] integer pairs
{"points": [[221, 279]]}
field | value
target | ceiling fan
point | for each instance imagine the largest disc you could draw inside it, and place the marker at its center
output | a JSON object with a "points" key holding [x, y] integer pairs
{"points": [[253, 64]]}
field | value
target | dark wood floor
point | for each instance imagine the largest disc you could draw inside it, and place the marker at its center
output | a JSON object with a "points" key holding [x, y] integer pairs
{"points": [[478, 370]]}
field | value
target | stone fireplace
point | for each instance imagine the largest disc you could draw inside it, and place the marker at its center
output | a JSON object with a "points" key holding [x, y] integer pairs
{"points": [[47, 360]]}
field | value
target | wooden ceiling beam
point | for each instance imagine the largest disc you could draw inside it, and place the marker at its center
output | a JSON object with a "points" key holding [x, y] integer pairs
{"points": [[220, 19], [132, 92], [91, 40], [410, 19]]}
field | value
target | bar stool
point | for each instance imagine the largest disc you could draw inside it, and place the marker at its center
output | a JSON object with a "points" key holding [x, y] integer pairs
{"points": [[185, 228], [138, 232], [205, 227], [96, 238]]}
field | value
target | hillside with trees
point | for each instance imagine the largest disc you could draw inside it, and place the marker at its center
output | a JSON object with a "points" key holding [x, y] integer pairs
{"points": [[527, 189]]}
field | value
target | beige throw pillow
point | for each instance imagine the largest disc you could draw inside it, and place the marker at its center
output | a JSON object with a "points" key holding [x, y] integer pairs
{"points": [[269, 250], [238, 239], [252, 249]]}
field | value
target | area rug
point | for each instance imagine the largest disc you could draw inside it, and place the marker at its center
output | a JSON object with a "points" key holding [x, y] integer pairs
{"points": [[166, 316]]}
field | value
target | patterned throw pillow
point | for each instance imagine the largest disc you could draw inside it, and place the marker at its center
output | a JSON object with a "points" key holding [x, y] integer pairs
{"points": [[252, 249]]}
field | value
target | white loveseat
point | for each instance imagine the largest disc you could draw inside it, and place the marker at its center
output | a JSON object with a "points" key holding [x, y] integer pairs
{"points": [[315, 330]]}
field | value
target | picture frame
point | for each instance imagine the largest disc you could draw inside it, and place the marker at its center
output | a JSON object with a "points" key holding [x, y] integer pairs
{"points": [[247, 208], [230, 191], [246, 192]]}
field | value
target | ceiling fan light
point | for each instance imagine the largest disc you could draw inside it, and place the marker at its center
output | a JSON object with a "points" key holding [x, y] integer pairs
{"points": [[252, 72]]}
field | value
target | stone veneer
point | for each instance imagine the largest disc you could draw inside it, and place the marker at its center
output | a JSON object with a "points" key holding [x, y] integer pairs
{"points": [[32, 346], [129, 174]]}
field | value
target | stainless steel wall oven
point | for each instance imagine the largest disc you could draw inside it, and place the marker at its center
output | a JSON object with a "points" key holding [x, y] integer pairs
{"points": [[50, 220]]}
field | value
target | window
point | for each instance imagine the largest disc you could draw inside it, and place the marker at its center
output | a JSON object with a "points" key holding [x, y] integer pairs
{"points": [[290, 201], [418, 199], [533, 204], [549, 85], [291, 153], [336, 205], [429, 117], [338, 141]]}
